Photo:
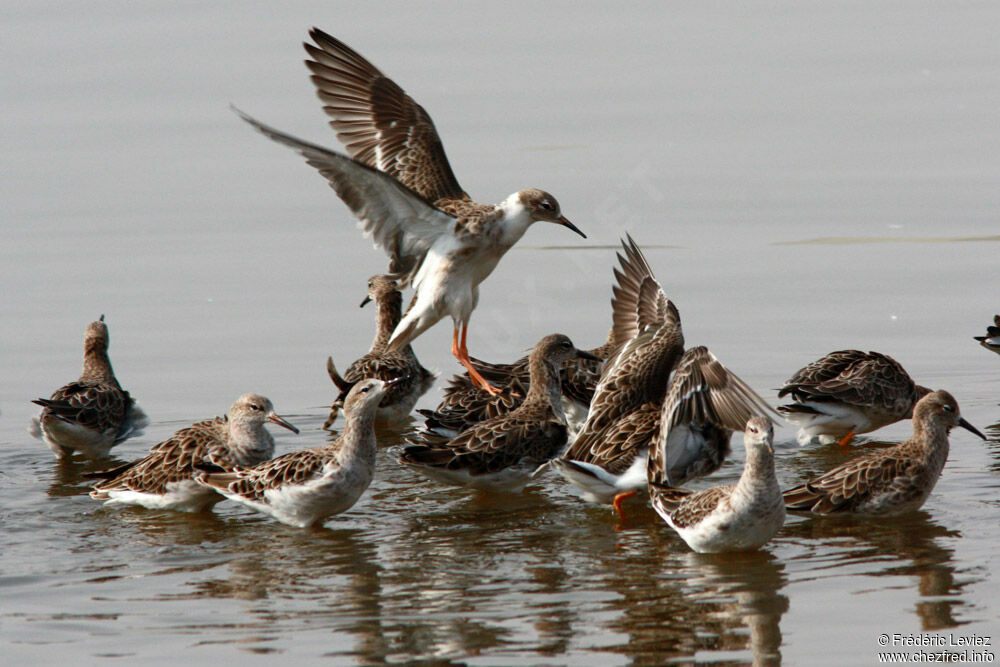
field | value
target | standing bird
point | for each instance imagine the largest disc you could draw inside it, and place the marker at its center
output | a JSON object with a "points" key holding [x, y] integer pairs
{"points": [[888, 481], [502, 452], [846, 393], [93, 414], [164, 479], [739, 517], [411, 379], [306, 487], [398, 182], [991, 341]]}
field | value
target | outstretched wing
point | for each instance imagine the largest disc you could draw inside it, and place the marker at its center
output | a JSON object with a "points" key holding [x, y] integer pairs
{"points": [[399, 220], [379, 124], [704, 404], [638, 300]]}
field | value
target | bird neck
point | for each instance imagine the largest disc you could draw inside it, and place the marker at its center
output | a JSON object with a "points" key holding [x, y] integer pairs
{"points": [[249, 442], [544, 384], [97, 365], [389, 310], [357, 440], [513, 222], [758, 473], [930, 436]]}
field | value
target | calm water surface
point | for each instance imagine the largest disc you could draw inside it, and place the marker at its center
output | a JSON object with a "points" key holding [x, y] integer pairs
{"points": [[805, 179]]}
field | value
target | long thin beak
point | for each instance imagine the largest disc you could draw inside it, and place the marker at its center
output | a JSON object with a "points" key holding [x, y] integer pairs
{"points": [[566, 223], [275, 419], [366, 301], [587, 355], [969, 427]]}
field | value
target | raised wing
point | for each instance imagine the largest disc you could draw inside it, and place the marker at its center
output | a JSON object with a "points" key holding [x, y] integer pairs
{"points": [[638, 301], [705, 403], [399, 220], [379, 124]]}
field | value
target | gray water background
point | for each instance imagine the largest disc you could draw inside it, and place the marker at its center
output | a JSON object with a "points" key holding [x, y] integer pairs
{"points": [[805, 178]]}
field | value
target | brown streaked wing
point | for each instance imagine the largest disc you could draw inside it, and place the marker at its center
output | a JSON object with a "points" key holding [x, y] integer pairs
{"points": [[100, 407], [695, 507], [173, 460], [494, 445], [854, 378], [378, 123], [636, 291], [289, 469], [616, 448], [845, 487], [703, 391]]}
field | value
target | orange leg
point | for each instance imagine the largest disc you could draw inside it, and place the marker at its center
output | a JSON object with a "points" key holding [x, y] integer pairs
{"points": [[619, 499], [846, 440], [461, 353]]}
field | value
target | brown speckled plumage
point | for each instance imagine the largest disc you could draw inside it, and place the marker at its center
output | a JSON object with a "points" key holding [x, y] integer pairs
{"points": [[849, 391], [888, 481], [93, 414], [304, 487], [239, 439], [521, 439], [412, 380], [652, 392]]}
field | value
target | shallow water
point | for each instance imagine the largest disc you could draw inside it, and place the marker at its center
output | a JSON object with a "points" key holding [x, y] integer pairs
{"points": [[804, 179]]}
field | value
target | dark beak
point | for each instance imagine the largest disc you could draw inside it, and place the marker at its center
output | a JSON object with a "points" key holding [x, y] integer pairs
{"points": [[366, 301], [275, 419], [587, 355], [566, 223], [969, 427]]}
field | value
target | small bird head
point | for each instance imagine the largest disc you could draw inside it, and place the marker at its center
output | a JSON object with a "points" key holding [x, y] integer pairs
{"points": [[557, 348], [96, 337], [254, 410], [380, 286], [942, 408], [759, 434], [365, 396], [543, 207]]}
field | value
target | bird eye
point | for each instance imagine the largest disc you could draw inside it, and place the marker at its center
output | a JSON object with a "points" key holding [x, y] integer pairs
{"points": [[949, 408], [254, 406], [364, 390], [547, 206]]}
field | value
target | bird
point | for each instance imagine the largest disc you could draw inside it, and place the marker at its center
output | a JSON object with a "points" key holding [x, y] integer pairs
{"points": [[93, 414], [465, 404], [164, 478], [304, 488], [991, 341], [653, 393], [397, 180], [502, 452], [413, 379], [846, 393], [737, 517], [888, 481]]}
